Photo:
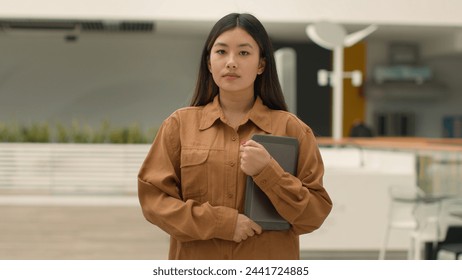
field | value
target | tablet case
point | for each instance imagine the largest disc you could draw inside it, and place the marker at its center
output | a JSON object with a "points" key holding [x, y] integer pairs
{"points": [[258, 207]]}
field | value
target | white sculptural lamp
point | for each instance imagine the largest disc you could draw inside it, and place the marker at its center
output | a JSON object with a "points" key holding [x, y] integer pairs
{"points": [[333, 36]]}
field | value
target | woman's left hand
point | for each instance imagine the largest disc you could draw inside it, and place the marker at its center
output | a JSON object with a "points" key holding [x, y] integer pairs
{"points": [[254, 157]]}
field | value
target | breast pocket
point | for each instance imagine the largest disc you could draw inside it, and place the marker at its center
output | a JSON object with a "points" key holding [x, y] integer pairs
{"points": [[194, 174]]}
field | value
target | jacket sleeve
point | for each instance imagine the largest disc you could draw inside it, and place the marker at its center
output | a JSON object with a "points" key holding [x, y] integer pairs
{"points": [[302, 199], [160, 196]]}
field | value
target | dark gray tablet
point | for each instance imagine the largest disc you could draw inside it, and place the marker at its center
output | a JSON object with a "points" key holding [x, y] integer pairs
{"points": [[258, 207]]}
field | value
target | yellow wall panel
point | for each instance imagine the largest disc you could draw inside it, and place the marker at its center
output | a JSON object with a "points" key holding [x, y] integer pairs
{"points": [[353, 97]]}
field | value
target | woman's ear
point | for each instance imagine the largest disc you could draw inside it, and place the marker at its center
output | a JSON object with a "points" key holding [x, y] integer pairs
{"points": [[261, 66], [209, 66]]}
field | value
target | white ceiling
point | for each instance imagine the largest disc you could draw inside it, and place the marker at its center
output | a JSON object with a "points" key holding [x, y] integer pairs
{"points": [[433, 40], [442, 39], [296, 31], [410, 20]]}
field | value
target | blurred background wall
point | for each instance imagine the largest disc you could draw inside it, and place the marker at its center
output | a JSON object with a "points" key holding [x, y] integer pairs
{"points": [[142, 77]]}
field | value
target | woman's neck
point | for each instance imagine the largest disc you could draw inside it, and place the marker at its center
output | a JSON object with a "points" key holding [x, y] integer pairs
{"points": [[235, 107], [236, 103]]}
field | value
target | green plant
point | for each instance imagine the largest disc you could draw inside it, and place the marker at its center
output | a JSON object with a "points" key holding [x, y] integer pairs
{"points": [[102, 134], [150, 134], [118, 135], [10, 132], [36, 133], [80, 133], [75, 133], [135, 134], [62, 134]]}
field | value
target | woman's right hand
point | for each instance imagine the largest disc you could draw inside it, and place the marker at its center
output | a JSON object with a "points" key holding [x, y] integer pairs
{"points": [[245, 227]]}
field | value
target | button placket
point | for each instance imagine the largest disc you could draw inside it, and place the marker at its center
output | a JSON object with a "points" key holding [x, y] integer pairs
{"points": [[232, 157]]}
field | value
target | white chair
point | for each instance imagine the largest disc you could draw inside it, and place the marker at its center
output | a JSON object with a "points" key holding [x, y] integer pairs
{"points": [[411, 210], [451, 247]]}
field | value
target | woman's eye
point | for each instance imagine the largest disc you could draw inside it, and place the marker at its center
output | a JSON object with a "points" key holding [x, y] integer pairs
{"points": [[220, 51], [244, 53]]}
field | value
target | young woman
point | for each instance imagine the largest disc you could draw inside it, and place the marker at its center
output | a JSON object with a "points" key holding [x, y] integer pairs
{"points": [[192, 182]]}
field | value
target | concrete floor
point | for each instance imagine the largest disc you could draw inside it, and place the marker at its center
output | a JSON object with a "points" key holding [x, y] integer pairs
{"points": [[49, 230], [72, 227]]}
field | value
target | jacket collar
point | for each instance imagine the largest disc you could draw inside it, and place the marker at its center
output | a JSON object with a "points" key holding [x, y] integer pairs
{"points": [[259, 115]]}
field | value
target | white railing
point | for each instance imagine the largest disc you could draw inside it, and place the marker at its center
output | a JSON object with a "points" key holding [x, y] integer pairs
{"points": [[77, 168]]}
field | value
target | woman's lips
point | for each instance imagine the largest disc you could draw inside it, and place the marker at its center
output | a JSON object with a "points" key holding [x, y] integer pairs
{"points": [[231, 76]]}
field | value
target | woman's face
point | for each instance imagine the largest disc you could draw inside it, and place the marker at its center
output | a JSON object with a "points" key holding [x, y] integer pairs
{"points": [[235, 61]]}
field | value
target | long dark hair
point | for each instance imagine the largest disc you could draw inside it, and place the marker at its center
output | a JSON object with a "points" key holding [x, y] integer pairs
{"points": [[266, 84]]}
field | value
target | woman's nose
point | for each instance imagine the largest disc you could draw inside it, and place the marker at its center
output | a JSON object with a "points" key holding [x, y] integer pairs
{"points": [[231, 64]]}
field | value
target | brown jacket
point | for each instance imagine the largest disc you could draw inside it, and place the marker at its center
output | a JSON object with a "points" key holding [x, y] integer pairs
{"points": [[191, 186]]}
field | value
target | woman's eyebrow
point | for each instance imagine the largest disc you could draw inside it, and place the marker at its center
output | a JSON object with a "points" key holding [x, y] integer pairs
{"points": [[221, 44], [246, 45]]}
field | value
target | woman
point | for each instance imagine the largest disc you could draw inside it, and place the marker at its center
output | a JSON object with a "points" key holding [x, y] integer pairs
{"points": [[192, 182]]}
